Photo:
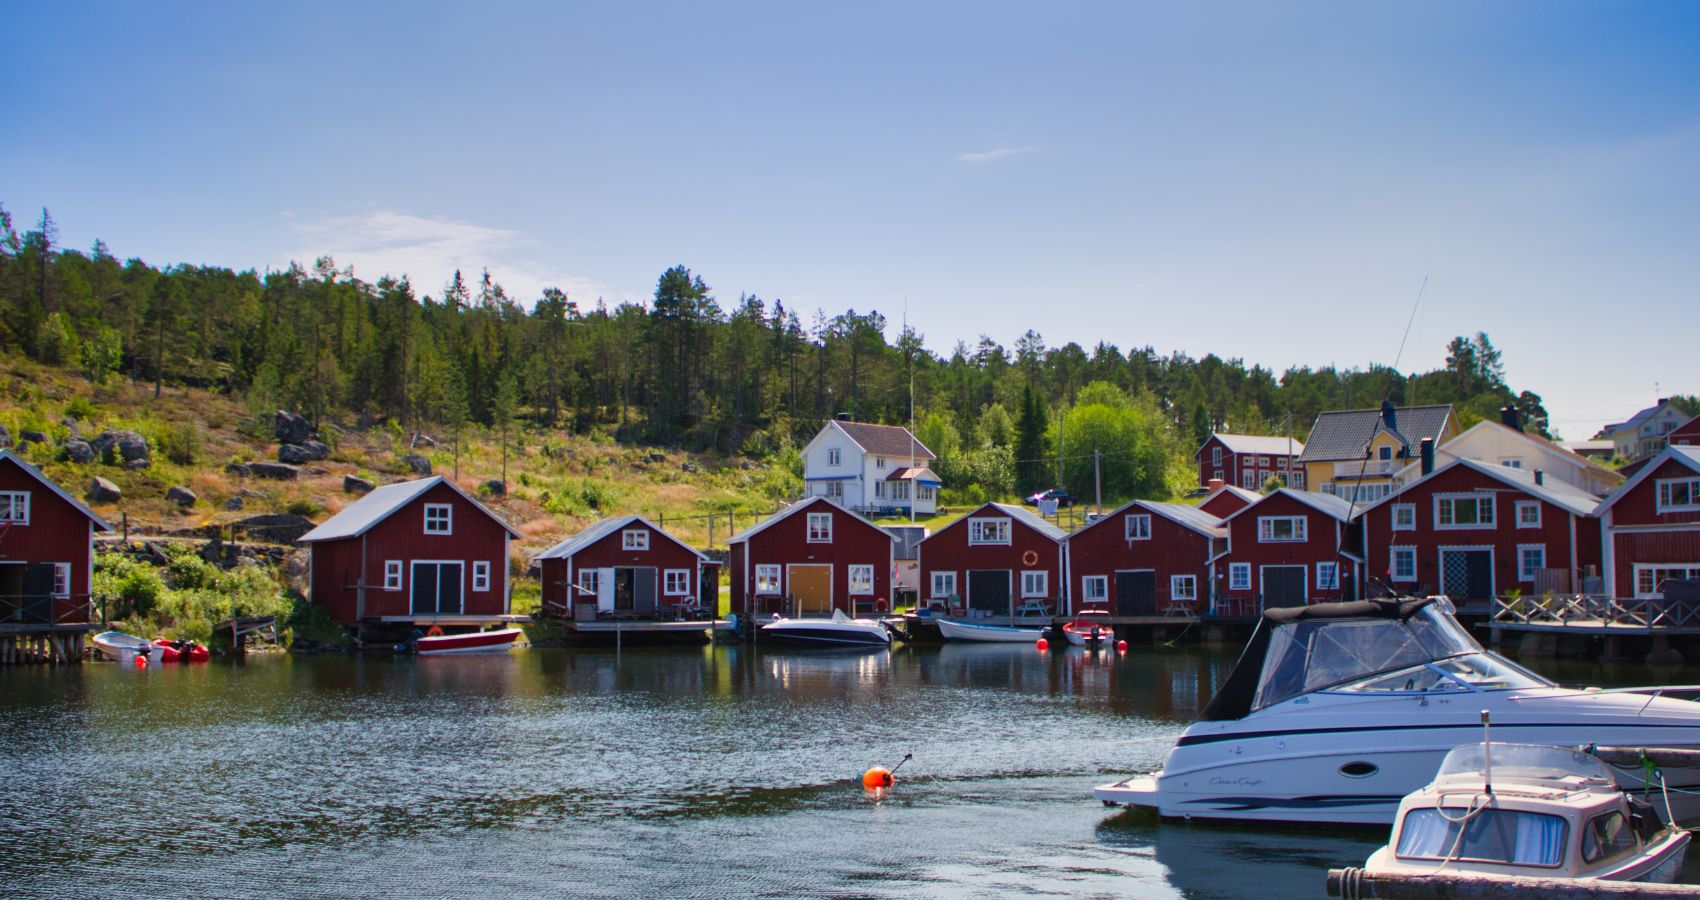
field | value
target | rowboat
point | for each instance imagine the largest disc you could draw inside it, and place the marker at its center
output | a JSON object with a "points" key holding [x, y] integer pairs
{"points": [[497, 641], [121, 647], [955, 630]]}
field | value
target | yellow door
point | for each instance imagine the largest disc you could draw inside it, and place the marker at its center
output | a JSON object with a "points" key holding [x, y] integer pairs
{"points": [[812, 588]]}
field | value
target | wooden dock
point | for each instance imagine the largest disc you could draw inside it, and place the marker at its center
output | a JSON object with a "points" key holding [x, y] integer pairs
{"points": [[1596, 616], [38, 644], [645, 626]]}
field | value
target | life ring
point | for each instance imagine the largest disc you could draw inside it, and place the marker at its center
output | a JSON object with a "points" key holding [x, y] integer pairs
{"points": [[880, 605], [1029, 558], [434, 631]]}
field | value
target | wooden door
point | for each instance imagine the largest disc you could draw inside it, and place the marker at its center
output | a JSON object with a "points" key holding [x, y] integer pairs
{"points": [[643, 590], [1283, 586], [988, 590], [811, 588], [1136, 593]]}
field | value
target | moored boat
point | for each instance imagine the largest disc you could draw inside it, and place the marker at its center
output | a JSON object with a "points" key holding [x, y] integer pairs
{"points": [[958, 630], [121, 647], [838, 631], [181, 651], [1090, 629], [499, 640]]}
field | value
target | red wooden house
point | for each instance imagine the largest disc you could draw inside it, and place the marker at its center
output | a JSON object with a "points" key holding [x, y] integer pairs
{"points": [[1287, 549], [1225, 499], [46, 549], [1145, 559], [1686, 435], [1651, 525], [625, 566], [809, 560], [418, 551], [1473, 530], [1248, 460], [994, 560]]}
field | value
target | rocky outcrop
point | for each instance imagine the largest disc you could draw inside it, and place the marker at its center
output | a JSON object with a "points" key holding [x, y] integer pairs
{"points": [[354, 484], [274, 471], [78, 451], [304, 452], [128, 445], [182, 496], [418, 464], [277, 528], [5, 438], [496, 487], [103, 491], [240, 470], [234, 503], [290, 428], [31, 436]]}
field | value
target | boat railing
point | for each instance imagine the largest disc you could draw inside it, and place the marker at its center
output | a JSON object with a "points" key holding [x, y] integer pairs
{"points": [[1594, 610]]}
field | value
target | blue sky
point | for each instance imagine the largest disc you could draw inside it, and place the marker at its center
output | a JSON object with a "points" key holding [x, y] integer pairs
{"points": [[1266, 181]]}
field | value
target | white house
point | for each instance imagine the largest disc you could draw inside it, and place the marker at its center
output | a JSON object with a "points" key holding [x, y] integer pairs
{"points": [[1644, 434], [1498, 443], [870, 467]]}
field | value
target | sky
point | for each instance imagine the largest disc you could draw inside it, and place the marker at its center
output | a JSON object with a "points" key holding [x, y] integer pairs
{"points": [[1267, 181]]}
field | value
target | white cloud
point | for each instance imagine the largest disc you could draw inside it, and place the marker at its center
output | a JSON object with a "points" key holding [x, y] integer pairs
{"points": [[993, 155], [429, 250]]}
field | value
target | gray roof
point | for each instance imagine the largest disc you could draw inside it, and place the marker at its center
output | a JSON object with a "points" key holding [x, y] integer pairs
{"points": [[358, 517], [1343, 434], [53, 486], [1267, 444], [599, 530], [1029, 518], [1327, 504], [795, 508], [1562, 494], [1182, 514]]}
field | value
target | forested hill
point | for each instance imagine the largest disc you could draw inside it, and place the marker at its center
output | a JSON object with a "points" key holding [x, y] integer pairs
{"points": [[686, 370]]}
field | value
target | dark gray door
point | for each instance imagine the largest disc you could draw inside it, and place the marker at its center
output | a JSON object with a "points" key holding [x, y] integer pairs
{"points": [[1284, 586], [1468, 574], [988, 589], [425, 589], [643, 590], [1136, 593], [38, 594]]}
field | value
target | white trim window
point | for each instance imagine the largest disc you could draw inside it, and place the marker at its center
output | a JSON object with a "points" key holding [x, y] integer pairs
{"points": [[767, 578], [834, 491], [1137, 527], [15, 507], [988, 531], [1248, 479], [879, 462], [1404, 517], [1239, 576], [1678, 494], [634, 539], [392, 574], [879, 490], [861, 580], [1217, 475], [1528, 513], [1281, 529], [590, 581], [481, 575], [834, 456], [439, 518], [1035, 583], [820, 528], [1327, 576], [61, 580], [1216, 456], [1183, 587], [1095, 588], [1531, 558], [1649, 578], [1463, 511], [676, 582], [1402, 566], [944, 585]]}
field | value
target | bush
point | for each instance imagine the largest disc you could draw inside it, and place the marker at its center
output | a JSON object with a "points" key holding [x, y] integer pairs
{"points": [[81, 408], [180, 443], [302, 506]]}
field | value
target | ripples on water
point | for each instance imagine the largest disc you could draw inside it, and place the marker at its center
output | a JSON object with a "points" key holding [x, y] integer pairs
{"points": [[712, 772]]}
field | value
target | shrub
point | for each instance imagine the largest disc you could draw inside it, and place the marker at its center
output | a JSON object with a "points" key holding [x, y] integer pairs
{"points": [[301, 506], [81, 408], [180, 443]]}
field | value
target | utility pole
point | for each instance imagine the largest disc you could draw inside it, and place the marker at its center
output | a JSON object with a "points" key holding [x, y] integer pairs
{"points": [[1097, 485]]}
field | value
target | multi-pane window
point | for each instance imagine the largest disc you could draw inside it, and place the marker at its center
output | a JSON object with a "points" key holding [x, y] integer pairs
{"points": [[879, 462], [634, 539], [1248, 479], [834, 457], [1216, 456], [1280, 529], [15, 507], [676, 582], [1679, 494], [1327, 576], [1239, 576], [392, 575], [1183, 587], [1531, 558], [481, 575], [589, 581], [879, 490], [988, 531], [1650, 579], [861, 579], [1095, 588], [834, 490], [1137, 527], [1404, 516], [820, 528], [1464, 511], [1404, 564], [767, 579], [1217, 475], [1528, 514], [439, 518], [61, 580], [1035, 583], [944, 584]]}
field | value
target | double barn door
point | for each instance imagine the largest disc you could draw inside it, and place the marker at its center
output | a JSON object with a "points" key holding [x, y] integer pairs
{"points": [[437, 588]]}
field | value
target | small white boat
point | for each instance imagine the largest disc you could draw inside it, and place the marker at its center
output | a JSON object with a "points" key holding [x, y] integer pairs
{"points": [[1497, 810], [124, 648], [958, 630], [496, 641], [838, 631], [1090, 628]]}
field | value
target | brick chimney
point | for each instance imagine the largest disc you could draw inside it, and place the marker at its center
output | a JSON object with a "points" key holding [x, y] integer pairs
{"points": [[1215, 484]]}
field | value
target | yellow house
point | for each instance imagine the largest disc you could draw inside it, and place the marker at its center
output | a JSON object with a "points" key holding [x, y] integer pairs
{"points": [[1354, 453]]}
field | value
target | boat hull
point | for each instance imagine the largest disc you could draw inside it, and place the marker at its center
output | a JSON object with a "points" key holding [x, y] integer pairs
{"points": [[993, 634], [499, 641], [121, 647], [1088, 638], [827, 633]]}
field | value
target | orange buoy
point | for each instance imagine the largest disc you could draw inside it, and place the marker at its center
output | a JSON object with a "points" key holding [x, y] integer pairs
{"points": [[1121, 646], [876, 778], [1043, 645], [141, 660], [434, 631]]}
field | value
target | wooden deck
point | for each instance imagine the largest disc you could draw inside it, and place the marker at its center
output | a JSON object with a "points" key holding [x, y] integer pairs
{"points": [[645, 626], [504, 619], [1594, 615]]}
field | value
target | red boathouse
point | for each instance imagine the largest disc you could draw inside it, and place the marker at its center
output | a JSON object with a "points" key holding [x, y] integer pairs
{"points": [[1652, 525], [46, 550], [811, 559], [1287, 549], [625, 567], [417, 552], [1145, 559], [994, 561]]}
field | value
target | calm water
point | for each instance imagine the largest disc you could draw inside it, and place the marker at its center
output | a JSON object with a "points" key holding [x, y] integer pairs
{"points": [[707, 772]]}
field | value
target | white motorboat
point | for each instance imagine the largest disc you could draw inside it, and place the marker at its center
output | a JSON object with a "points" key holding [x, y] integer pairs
{"points": [[1335, 712], [958, 630], [1498, 810], [838, 631], [124, 648]]}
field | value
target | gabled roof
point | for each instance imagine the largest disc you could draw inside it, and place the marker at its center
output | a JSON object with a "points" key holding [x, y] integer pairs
{"points": [[599, 530], [1240, 492], [358, 517], [1640, 417], [1024, 516], [1179, 513], [1556, 451], [1327, 504], [914, 473], [1256, 443], [883, 440], [795, 508], [1688, 456], [1559, 493], [48, 483], [1343, 434]]}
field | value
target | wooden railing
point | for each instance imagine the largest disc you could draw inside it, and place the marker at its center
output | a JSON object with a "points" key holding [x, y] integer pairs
{"points": [[1593, 611], [28, 609]]}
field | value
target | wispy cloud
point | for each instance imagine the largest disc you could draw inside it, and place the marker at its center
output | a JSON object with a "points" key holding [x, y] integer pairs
{"points": [[429, 250], [993, 155]]}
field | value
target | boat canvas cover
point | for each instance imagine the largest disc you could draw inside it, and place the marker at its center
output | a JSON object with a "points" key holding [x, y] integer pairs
{"points": [[1307, 648]]}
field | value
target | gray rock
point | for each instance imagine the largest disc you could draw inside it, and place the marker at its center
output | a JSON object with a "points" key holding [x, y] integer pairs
{"points": [[240, 470], [294, 454], [78, 451], [103, 491], [251, 494], [419, 464], [134, 464], [290, 428], [5, 437], [354, 484], [275, 471], [182, 496], [31, 436], [281, 528], [317, 450], [657, 457], [130, 445], [689, 468], [497, 487], [424, 440], [234, 503]]}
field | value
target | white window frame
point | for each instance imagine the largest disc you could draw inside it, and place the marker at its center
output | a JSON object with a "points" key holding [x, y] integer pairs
{"points": [[1248, 479], [820, 528], [1665, 492], [481, 575], [1095, 588], [861, 580], [1217, 476], [1299, 527], [446, 519], [834, 457], [769, 579], [834, 490], [997, 525], [1689, 570], [634, 539], [1449, 503], [1327, 576], [15, 507], [61, 580], [1216, 455], [879, 462], [1393, 557], [676, 582], [943, 585], [1239, 576], [1183, 587], [879, 490], [1523, 506], [1136, 527], [392, 574], [1524, 571], [1035, 583], [590, 580], [1406, 512]]}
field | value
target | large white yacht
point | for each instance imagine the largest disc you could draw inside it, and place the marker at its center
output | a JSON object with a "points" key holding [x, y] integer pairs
{"points": [[1335, 712]]}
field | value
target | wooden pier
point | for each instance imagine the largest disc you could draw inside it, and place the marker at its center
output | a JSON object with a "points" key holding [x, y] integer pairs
{"points": [[43, 644]]}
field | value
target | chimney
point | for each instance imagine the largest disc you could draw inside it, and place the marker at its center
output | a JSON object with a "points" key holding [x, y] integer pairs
{"points": [[1540, 477], [1389, 415], [1508, 417], [1215, 485], [1427, 450], [844, 417]]}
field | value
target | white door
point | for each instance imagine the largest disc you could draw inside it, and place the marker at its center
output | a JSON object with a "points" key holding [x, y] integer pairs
{"points": [[605, 590]]}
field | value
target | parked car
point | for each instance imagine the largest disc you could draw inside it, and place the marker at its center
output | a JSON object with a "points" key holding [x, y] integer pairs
{"points": [[1197, 492], [1062, 497]]}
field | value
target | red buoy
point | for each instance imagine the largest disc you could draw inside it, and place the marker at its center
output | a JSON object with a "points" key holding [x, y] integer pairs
{"points": [[1043, 645], [1121, 646], [141, 661], [876, 778]]}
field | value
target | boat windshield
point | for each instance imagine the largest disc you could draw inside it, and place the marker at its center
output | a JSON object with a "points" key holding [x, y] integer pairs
{"points": [[1313, 655], [1531, 762], [1490, 835], [1472, 671]]}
